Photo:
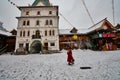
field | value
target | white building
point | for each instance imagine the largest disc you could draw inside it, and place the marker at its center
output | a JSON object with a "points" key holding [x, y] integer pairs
{"points": [[38, 27]]}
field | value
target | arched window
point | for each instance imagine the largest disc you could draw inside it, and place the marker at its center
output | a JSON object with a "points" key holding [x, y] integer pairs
{"points": [[50, 12], [27, 13], [24, 23], [53, 32], [45, 33], [46, 22], [50, 32], [38, 13], [28, 23], [28, 34], [37, 32], [37, 22], [20, 33], [51, 23], [23, 33]]}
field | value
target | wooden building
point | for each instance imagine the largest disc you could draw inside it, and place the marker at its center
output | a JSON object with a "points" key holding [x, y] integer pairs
{"points": [[101, 36], [7, 41], [118, 36], [72, 38]]}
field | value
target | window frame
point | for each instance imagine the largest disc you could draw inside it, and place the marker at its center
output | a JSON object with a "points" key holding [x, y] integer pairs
{"points": [[47, 22], [28, 22], [51, 22], [38, 12], [50, 12], [27, 13], [52, 44], [37, 22]]}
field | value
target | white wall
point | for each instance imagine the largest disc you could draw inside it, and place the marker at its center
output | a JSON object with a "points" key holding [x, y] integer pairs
{"points": [[33, 17]]}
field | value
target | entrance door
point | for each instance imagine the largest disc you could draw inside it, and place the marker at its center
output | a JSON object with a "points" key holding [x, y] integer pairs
{"points": [[27, 46], [36, 47], [46, 46]]}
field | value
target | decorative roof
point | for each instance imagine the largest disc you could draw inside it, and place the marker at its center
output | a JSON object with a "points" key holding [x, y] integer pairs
{"points": [[74, 30], [44, 2], [101, 25], [118, 26]]}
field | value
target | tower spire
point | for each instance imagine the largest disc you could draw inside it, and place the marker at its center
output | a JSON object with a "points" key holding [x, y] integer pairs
{"points": [[41, 3]]}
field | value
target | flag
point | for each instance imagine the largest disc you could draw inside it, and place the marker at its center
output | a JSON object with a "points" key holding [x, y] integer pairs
{"points": [[12, 3]]}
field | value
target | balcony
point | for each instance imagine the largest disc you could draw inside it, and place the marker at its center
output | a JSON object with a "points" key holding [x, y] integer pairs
{"points": [[36, 37]]}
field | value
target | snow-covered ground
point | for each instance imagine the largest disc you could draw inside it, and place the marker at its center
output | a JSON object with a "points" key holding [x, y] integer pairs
{"points": [[105, 65]]}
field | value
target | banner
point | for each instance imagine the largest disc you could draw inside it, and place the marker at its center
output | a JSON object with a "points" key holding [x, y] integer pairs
{"points": [[109, 35]]}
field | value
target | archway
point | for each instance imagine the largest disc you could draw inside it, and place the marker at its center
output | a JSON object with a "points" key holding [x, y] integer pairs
{"points": [[36, 47]]}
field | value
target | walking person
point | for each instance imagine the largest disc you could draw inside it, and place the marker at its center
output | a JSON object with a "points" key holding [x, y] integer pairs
{"points": [[70, 58]]}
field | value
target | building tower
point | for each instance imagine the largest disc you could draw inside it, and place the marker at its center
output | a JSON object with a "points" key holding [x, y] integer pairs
{"points": [[38, 27]]}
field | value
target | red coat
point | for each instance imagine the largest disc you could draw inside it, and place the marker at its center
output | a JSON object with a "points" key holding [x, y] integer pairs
{"points": [[70, 57]]}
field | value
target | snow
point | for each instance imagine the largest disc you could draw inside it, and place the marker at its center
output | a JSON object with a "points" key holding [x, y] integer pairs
{"points": [[105, 65], [83, 31], [67, 31], [5, 33]]}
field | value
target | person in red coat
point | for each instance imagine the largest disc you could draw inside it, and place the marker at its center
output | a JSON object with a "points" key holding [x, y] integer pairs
{"points": [[70, 58]]}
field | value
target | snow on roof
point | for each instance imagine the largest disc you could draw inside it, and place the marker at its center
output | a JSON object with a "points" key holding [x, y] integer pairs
{"points": [[83, 31], [5, 33], [64, 31], [67, 31]]}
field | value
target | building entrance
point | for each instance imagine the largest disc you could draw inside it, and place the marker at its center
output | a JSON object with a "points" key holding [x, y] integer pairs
{"points": [[36, 47]]}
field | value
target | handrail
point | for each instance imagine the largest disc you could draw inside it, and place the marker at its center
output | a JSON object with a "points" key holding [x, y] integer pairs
{"points": [[3, 48]]}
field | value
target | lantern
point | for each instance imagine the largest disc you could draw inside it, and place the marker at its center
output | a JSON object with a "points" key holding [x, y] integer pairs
{"points": [[75, 37]]}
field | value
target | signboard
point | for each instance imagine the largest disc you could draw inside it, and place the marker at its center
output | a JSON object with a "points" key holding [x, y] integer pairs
{"points": [[100, 35], [109, 35]]}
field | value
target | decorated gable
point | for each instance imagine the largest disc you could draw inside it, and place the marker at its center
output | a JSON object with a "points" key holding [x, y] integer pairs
{"points": [[106, 25], [74, 30]]}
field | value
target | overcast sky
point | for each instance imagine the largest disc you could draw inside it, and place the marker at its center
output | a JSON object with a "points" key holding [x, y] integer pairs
{"points": [[73, 10]]}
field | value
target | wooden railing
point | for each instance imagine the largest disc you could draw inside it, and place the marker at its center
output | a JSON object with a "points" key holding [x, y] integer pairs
{"points": [[3, 49]]}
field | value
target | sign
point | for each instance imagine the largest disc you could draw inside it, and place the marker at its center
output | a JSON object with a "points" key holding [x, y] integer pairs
{"points": [[104, 35], [100, 35], [109, 35]]}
